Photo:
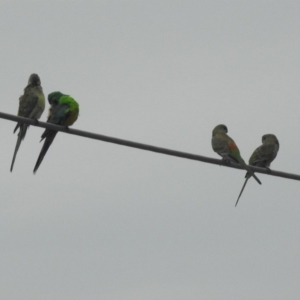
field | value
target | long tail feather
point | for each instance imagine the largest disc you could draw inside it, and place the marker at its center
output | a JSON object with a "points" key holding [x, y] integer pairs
{"points": [[21, 136], [246, 180], [249, 170], [48, 141], [252, 174], [17, 126]]}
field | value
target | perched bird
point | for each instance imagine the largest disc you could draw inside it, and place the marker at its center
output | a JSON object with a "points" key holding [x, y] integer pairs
{"points": [[64, 111], [31, 105], [226, 147], [262, 156]]}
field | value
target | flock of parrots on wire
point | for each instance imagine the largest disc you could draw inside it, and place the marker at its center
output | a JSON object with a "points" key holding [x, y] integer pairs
{"points": [[64, 111]]}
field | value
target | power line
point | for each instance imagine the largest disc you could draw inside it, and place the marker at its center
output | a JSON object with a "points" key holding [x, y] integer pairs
{"points": [[122, 142]]}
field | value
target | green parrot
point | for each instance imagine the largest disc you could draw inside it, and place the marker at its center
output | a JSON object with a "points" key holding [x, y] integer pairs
{"points": [[64, 111], [226, 147], [262, 156], [31, 105]]}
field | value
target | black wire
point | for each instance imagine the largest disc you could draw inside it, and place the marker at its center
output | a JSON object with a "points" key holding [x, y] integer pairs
{"points": [[127, 143]]}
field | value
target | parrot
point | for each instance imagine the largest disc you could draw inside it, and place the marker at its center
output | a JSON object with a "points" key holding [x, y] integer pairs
{"points": [[262, 156], [31, 105], [226, 147], [64, 111]]}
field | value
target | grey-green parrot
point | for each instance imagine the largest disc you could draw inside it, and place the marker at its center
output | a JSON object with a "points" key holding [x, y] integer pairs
{"points": [[31, 105], [226, 147], [262, 156]]}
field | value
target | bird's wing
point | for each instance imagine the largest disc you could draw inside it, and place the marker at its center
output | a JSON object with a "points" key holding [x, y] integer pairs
{"points": [[58, 115], [264, 155], [220, 145], [27, 102]]}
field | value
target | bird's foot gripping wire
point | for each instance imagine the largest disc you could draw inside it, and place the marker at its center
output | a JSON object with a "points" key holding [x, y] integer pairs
{"points": [[66, 128], [269, 170], [226, 161], [36, 122]]}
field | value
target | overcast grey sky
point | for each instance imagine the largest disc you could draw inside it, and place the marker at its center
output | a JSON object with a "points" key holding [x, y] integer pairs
{"points": [[102, 221]]}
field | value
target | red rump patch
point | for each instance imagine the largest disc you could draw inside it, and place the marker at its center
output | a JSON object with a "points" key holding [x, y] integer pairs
{"points": [[232, 146]]}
